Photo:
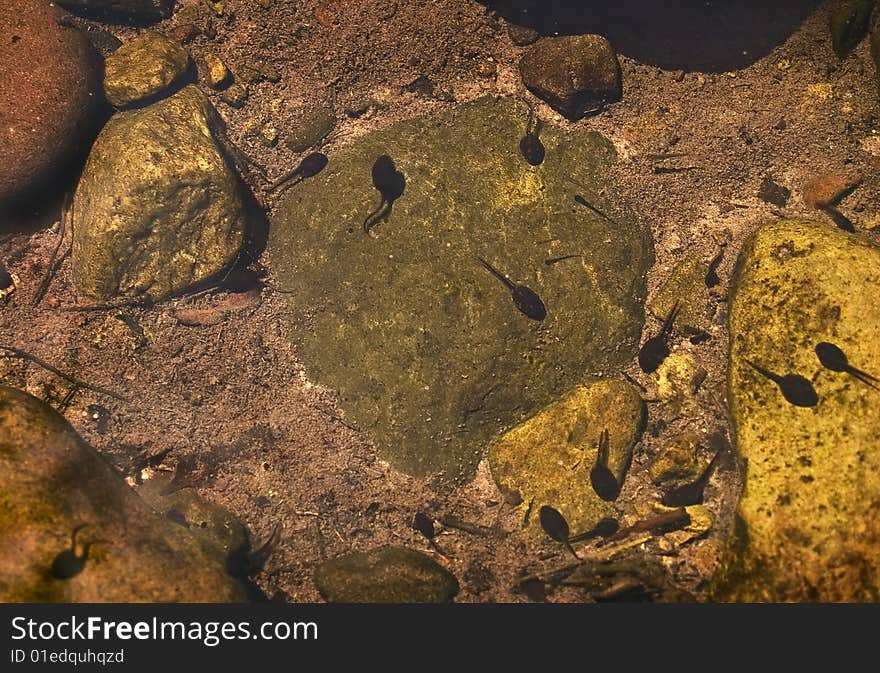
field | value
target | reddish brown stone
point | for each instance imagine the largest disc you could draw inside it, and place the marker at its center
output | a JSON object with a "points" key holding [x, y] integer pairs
{"points": [[47, 85]]}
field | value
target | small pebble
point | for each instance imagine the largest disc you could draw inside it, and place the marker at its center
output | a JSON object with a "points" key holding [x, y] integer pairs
{"points": [[217, 73], [235, 96]]}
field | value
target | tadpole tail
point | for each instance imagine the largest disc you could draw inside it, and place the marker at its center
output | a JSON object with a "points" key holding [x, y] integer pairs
{"points": [[867, 379], [764, 372], [863, 374], [284, 179], [495, 272], [670, 319], [374, 217]]}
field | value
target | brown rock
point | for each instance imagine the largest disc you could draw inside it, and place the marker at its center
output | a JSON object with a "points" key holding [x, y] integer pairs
{"points": [[826, 189], [575, 74], [51, 483], [46, 95]]}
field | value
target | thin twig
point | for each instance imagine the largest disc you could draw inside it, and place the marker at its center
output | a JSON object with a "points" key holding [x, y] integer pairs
{"points": [[66, 210], [67, 377]]}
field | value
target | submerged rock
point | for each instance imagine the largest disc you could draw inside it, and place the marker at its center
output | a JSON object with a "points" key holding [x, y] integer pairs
{"points": [[137, 10], [311, 128], [157, 209], [806, 527], [47, 95], [548, 459], [145, 67], [428, 350], [687, 286], [575, 74], [52, 484], [678, 463], [849, 21], [385, 575]]}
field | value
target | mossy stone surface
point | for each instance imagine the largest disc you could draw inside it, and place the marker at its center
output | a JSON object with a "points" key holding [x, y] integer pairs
{"points": [[686, 285], [807, 525], [143, 68], [678, 463], [547, 459], [157, 208], [50, 483], [385, 575], [426, 348]]}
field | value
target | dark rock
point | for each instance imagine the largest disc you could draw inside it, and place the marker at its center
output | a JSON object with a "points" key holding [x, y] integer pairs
{"points": [[575, 74], [129, 10], [522, 36], [427, 348], [47, 95], [848, 23], [385, 575]]}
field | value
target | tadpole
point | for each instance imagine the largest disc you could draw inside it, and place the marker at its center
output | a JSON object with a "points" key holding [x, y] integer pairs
{"points": [[796, 389], [525, 299]]}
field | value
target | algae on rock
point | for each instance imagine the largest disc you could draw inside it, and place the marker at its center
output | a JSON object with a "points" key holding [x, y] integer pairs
{"points": [[157, 209], [807, 525], [145, 67], [385, 575], [51, 482], [547, 459], [424, 345]]}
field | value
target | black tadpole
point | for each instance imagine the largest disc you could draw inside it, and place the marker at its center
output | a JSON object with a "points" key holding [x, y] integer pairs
{"points": [[68, 564], [605, 528], [526, 300], [601, 477], [655, 350], [833, 358], [390, 183], [712, 278], [531, 146], [307, 168], [794, 388], [556, 527]]}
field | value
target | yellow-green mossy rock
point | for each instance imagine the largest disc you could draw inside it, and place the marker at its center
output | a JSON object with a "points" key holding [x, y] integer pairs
{"points": [[687, 285], [385, 575], [547, 459], [678, 463], [808, 525], [426, 347], [143, 68], [52, 483], [158, 208]]}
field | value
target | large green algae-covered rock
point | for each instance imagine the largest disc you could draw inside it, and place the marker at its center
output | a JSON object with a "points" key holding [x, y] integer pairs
{"points": [[547, 459], [158, 208], [385, 575], [424, 345], [51, 482], [808, 523]]}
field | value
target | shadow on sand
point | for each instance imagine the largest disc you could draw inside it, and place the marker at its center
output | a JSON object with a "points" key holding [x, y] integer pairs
{"points": [[692, 35]]}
